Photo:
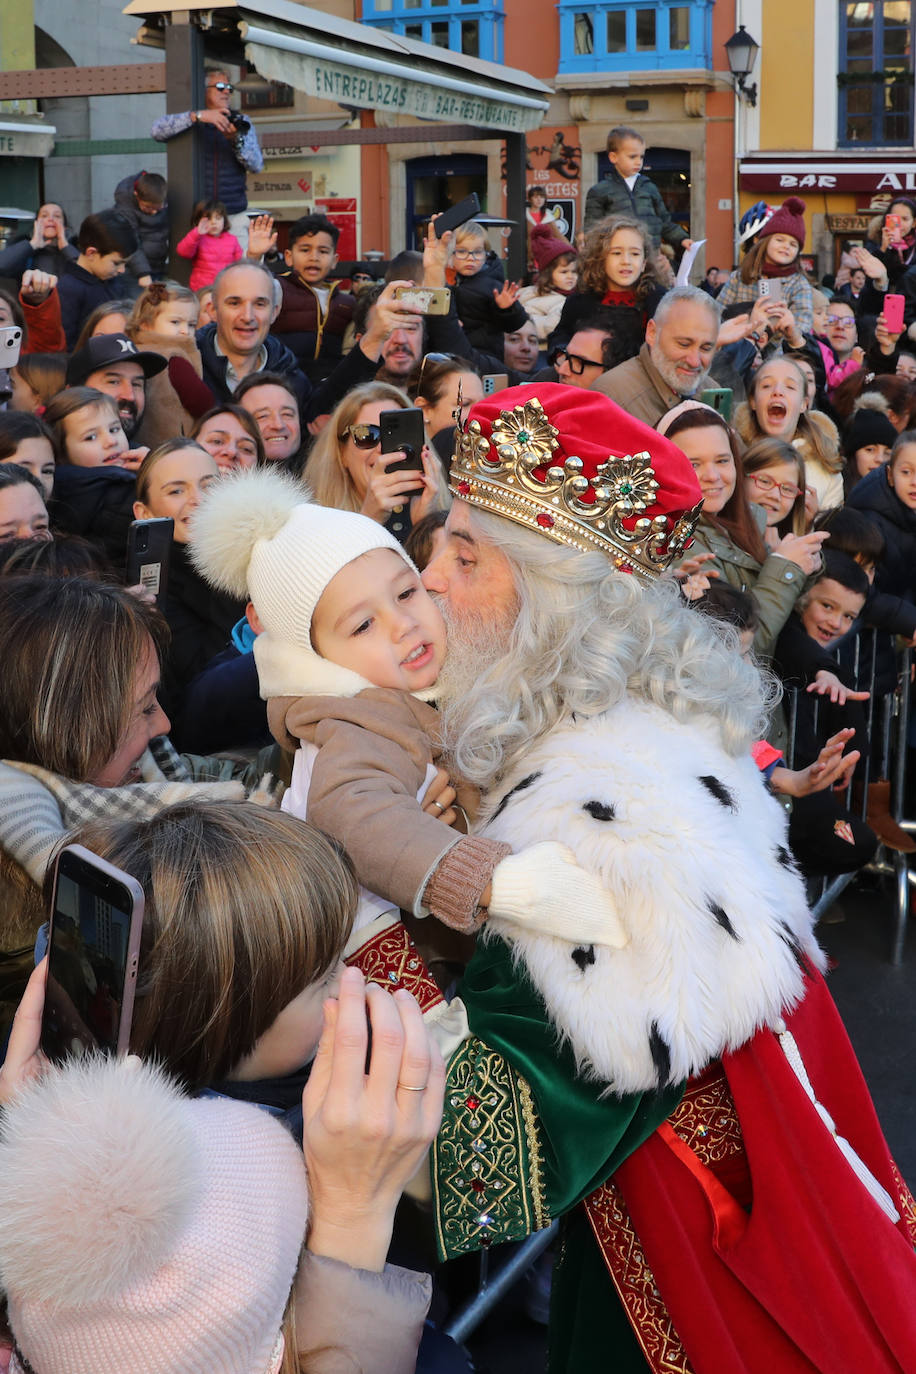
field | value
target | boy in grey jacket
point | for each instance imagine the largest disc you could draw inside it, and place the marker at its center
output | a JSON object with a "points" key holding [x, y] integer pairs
{"points": [[625, 191]]}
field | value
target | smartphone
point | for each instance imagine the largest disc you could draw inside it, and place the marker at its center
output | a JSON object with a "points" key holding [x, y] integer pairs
{"points": [[429, 300], [10, 345], [892, 222], [403, 429], [93, 949], [721, 398], [458, 214], [494, 381], [893, 313], [149, 544], [770, 288]]}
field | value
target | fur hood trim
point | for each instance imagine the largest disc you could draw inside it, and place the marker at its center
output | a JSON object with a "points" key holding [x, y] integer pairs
{"points": [[692, 851]]}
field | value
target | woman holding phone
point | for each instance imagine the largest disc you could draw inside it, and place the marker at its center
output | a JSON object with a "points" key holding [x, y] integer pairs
{"points": [[347, 469]]}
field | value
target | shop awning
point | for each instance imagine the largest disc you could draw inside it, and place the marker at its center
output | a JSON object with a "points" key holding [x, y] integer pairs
{"points": [[367, 68], [25, 138]]}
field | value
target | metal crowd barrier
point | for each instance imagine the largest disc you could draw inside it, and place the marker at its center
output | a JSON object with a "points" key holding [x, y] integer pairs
{"points": [[888, 717]]}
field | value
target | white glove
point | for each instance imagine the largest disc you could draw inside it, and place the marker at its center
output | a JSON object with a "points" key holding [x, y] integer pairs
{"points": [[543, 889]]}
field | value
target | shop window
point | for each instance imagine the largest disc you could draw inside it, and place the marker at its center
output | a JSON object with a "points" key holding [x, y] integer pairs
{"points": [[875, 73], [471, 27], [641, 36]]}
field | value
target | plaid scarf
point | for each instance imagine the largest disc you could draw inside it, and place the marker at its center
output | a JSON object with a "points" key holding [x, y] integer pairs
{"points": [[37, 808]]}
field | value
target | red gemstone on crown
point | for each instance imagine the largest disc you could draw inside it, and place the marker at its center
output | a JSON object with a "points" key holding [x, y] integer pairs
{"points": [[545, 521], [477, 1186], [473, 1103], [464, 488]]}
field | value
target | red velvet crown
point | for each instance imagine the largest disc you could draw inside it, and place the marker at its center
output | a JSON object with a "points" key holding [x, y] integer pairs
{"points": [[580, 470]]}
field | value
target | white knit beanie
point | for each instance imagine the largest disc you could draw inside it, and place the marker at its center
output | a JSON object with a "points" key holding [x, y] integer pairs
{"points": [[143, 1230], [256, 533]]}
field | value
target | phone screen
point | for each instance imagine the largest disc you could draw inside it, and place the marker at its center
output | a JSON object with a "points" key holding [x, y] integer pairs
{"points": [[95, 927]]}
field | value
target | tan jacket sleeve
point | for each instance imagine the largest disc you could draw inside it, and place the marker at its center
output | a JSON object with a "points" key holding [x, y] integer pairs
{"points": [[350, 1319]]}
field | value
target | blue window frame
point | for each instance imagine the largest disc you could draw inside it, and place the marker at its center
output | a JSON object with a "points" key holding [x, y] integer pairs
{"points": [[608, 37], [875, 78], [471, 27]]}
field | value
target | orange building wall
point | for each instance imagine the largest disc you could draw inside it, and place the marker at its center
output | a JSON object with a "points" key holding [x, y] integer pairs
{"points": [[532, 37]]}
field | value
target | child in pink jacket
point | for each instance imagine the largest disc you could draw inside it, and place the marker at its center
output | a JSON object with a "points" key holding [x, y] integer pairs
{"points": [[209, 244]]}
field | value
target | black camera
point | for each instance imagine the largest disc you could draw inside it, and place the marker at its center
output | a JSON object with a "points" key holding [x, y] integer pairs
{"points": [[236, 118]]}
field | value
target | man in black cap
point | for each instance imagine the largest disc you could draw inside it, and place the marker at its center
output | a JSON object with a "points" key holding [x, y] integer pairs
{"points": [[112, 363]]}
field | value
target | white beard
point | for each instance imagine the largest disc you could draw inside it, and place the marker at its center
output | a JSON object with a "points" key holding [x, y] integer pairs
{"points": [[475, 644]]}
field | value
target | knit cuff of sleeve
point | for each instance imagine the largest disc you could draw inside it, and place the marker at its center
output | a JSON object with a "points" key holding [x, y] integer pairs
{"points": [[453, 892]]}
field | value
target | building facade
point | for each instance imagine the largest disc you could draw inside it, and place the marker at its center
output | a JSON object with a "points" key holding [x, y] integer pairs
{"points": [[835, 118]]}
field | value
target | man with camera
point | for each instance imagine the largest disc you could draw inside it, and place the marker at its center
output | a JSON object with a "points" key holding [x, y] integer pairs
{"points": [[231, 149]]}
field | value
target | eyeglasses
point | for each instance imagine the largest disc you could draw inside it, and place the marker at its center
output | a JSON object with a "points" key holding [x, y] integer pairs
{"points": [[577, 364], [464, 253], [221, 86], [363, 436], [847, 321], [787, 489]]}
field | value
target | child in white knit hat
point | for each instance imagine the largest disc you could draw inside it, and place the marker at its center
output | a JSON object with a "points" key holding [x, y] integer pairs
{"points": [[348, 651]]}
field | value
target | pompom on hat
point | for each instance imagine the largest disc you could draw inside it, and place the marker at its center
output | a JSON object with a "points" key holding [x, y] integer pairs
{"points": [[788, 219], [143, 1230], [547, 245], [257, 533], [575, 467]]}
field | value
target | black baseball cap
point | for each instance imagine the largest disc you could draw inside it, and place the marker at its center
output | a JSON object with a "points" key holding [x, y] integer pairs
{"points": [[105, 349]]}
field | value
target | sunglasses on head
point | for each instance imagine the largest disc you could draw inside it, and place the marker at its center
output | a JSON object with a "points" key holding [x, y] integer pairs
{"points": [[363, 436], [222, 86]]}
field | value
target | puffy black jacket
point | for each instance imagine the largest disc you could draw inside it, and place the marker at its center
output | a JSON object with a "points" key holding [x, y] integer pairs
{"points": [[484, 322], [612, 196], [314, 335], [97, 503]]}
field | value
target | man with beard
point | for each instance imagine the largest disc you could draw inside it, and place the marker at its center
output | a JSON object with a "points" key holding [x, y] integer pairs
{"points": [[683, 1093], [673, 362], [113, 364]]}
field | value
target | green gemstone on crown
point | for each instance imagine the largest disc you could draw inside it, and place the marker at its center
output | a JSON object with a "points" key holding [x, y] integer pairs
{"points": [[523, 436], [625, 488]]}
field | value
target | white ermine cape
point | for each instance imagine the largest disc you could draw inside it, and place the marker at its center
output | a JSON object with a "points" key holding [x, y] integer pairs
{"points": [[693, 851]]}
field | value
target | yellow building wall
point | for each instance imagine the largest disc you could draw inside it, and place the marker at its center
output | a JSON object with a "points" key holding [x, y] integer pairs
{"points": [[786, 64]]}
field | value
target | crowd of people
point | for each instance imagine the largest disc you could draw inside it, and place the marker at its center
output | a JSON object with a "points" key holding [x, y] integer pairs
{"points": [[456, 774]]}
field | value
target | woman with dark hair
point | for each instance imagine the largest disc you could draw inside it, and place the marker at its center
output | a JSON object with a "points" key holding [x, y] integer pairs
{"points": [[27, 441], [731, 529], [230, 434]]}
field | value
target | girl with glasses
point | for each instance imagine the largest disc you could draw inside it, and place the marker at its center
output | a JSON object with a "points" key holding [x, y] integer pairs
{"points": [[774, 479]]}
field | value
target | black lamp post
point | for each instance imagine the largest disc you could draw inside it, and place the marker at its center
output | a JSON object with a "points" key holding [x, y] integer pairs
{"points": [[741, 51]]}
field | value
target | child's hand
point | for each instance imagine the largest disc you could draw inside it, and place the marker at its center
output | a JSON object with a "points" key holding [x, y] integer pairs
{"points": [[203, 225], [438, 798], [831, 768], [694, 565], [507, 295], [826, 682], [872, 267], [131, 458], [261, 236]]}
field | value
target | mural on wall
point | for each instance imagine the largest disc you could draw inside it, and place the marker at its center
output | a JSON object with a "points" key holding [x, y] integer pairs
{"points": [[554, 166]]}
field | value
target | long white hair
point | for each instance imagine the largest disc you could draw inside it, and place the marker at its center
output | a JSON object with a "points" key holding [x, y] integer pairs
{"points": [[586, 635]]}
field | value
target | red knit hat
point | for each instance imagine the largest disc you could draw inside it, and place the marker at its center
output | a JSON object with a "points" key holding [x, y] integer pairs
{"points": [[547, 245], [572, 465], [788, 219]]}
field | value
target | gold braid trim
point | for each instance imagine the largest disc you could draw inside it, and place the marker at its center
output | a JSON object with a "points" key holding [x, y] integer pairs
{"points": [[487, 1174], [529, 1116]]}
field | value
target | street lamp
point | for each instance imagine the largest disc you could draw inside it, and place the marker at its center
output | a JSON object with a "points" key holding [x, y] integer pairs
{"points": [[741, 51]]}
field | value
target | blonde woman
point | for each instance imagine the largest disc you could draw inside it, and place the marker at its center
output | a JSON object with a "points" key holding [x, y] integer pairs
{"points": [[347, 470]]}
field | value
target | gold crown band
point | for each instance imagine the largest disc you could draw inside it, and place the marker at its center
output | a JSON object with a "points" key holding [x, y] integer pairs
{"points": [[499, 474]]}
